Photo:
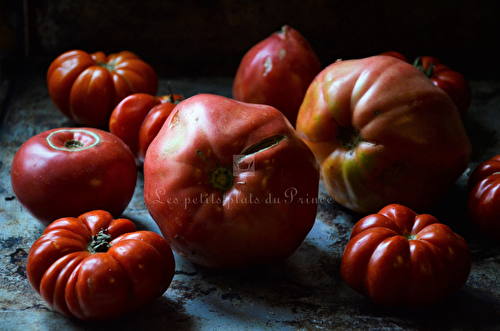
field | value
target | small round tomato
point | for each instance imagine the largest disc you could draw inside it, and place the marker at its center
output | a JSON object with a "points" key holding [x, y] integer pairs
{"points": [[95, 267], [277, 72], [69, 171], [483, 204], [230, 184], [138, 118], [127, 117], [399, 258], [452, 82], [87, 87], [151, 126]]}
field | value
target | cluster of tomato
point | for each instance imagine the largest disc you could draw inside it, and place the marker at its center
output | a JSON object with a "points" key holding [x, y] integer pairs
{"points": [[385, 136]]}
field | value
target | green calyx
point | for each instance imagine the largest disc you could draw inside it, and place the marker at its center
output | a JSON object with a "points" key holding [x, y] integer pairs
{"points": [[410, 236], [110, 66], [99, 243], [419, 64]]}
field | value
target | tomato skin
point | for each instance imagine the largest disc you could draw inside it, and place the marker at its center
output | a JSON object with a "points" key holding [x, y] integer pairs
{"points": [[383, 133], [132, 122], [86, 87], [127, 117], [483, 204], [151, 126], [277, 72], [137, 268], [395, 54], [52, 179], [227, 183], [399, 258], [450, 81]]}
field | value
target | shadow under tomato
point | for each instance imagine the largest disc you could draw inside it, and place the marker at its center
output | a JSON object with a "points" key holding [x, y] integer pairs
{"points": [[162, 314]]}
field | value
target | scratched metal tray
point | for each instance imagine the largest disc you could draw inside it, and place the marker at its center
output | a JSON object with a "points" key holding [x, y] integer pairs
{"points": [[305, 292]]}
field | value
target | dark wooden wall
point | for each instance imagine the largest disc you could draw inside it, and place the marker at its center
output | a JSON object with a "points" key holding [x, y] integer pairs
{"points": [[195, 37]]}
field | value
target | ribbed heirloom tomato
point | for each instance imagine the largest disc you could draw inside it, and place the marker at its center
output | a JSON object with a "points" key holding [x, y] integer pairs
{"points": [[383, 133], [450, 81], [94, 267], [277, 72], [483, 205], [230, 184], [69, 171], [138, 118], [399, 258], [87, 87]]}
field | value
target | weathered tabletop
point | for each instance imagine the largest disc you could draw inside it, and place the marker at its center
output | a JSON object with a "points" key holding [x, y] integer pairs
{"points": [[305, 292]]}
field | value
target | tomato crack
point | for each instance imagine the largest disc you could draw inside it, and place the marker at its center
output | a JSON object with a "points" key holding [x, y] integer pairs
{"points": [[262, 145]]}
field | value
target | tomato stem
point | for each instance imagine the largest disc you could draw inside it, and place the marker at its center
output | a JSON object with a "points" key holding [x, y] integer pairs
{"points": [[99, 243]]}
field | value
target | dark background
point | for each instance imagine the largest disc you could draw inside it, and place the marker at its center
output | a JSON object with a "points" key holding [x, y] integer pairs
{"points": [[195, 37]]}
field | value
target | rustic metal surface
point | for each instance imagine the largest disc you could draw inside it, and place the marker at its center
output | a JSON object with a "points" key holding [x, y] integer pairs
{"points": [[305, 292]]}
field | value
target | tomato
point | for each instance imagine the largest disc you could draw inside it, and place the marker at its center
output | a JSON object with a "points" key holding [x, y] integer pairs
{"points": [[230, 184], [483, 204], [94, 267], [383, 133], [87, 87], [399, 258], [395, 54], [452, 82], [277, 72], [151, 126], [69, 171], [132, 122]]}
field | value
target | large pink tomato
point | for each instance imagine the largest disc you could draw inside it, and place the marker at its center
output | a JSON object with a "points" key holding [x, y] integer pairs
{"points": [[66, 172], [277, 72], [383, 133], [230, 184]]}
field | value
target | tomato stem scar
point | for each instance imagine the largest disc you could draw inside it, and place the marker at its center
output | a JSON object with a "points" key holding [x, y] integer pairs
{"points": [[221, 178], [73, 144]]}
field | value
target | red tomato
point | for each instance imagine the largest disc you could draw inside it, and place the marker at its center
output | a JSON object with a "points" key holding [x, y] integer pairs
{"points": [[399, 258], [95, 267], [277, 72], [483, 204], [151, 126], [230, 184], [87, 87], [69, 171], [138, 118], [383, 133], [452, 82], [396, 55]]}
